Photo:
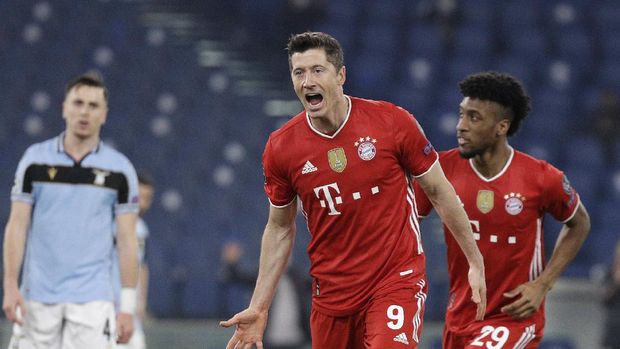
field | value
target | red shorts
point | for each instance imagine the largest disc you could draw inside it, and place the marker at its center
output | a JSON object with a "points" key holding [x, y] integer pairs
{"points": [[389, 321], [495, 334]]}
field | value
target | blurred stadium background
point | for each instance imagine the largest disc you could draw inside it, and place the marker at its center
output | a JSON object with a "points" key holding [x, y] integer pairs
{"points": [[197, 86]]}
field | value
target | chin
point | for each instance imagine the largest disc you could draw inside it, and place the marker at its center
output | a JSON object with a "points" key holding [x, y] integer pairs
{"points": [[465, 154]]}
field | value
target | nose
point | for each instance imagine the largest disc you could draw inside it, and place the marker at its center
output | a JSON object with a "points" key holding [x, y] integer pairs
{"points": [[307, 81], [461, 124]]}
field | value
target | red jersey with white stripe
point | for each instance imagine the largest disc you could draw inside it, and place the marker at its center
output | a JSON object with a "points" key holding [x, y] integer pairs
{"points": [[357, 196], [506, 214]]}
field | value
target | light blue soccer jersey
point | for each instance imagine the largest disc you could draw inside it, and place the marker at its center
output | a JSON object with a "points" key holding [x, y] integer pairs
{"points": [[70, 240]]}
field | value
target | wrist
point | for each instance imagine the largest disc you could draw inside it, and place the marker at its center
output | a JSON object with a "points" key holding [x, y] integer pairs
{"points": [[128, 301], [10, 283]]}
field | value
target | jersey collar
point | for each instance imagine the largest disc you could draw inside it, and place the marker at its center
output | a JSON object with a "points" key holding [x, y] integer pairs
{"points": [[471, 163], [339, 128], [60, 146]]}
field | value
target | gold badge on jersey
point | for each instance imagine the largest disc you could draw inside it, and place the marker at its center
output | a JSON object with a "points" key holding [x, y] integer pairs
{"points": [[337, 159], [484, 201], [51, 172]]}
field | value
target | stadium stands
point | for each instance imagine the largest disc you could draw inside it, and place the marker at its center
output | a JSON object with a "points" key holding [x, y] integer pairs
{"points": [[188, 102]]}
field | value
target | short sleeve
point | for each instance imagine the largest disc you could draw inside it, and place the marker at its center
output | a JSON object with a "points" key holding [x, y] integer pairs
{"points": [[127, 201], [560, 198], [278, 187], [22, 185], [417, 154]]}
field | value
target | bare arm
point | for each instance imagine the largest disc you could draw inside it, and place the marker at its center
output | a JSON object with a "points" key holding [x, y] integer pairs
{"points": [[143, 288], [443, 197], [571, 237], [570, 240], [276, 248], [13, 254], [127, 245]]}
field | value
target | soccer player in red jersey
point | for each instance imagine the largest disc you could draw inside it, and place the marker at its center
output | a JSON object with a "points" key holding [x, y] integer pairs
{"points": [[350, 163], [505, 193]]}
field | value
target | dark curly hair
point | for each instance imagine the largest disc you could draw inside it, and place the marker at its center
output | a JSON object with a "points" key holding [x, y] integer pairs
{"points": [[501, 88], [303, 42]]}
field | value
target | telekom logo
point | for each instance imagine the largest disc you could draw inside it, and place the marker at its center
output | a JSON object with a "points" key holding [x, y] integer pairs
{"points": [[329, 196], [325, 191]]}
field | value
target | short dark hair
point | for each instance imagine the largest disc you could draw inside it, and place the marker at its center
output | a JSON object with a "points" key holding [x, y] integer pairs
{"points": [[303, 42], [88, 79], [501, 88], [145, 178]]}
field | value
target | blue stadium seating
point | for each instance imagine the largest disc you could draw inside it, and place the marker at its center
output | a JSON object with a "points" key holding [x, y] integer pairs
{"points": [[557, 343]]}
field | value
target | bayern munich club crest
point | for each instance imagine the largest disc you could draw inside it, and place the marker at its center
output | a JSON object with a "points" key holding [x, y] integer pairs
{"points": [[366, 148], [514, 203]]}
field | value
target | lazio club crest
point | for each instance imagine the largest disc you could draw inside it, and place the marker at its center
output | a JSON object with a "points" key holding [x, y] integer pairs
{"points": [[484, 201], [337, 159]]}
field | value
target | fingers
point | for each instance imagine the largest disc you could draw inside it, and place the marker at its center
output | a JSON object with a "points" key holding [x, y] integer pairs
{"points": [[482, 305], [235, 343], [20, 313], [481, 310], [479, 297], [230, 322], [475, 295], [14, 312], [232, 343], [9, 312], [513, 293], [123, 333], [515, 307]]}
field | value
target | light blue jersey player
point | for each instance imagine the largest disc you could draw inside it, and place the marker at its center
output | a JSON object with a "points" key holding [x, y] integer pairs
{"points": [[70, 194]]}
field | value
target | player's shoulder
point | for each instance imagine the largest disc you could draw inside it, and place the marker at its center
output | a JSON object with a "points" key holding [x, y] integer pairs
{"points": [[450, 155], [529, 162], [451, 159], [289, 130], [40, 150], [378, 106], [112, 152], [114, 159]]}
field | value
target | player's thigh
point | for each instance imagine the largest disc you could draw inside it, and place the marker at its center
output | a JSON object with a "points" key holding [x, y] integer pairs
{"points": [[42, 327], [395, 321], [336, 332], [505, 335], [90, 325], [453, 340]]}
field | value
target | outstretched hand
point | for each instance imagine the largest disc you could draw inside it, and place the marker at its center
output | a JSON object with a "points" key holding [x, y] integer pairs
{"points": [[532, 295], [250, 328], [478, 290]]}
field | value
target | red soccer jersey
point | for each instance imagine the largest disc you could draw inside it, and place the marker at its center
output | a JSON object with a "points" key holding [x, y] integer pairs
{"points": [[357, 197], [506, 214]]}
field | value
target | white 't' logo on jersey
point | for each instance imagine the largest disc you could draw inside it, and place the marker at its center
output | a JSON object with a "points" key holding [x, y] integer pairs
{"points": [[331, 201]]}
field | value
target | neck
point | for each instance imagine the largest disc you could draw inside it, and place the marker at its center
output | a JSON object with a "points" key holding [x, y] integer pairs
{"points": [[78, 147], [332, 122], [493, 160]]}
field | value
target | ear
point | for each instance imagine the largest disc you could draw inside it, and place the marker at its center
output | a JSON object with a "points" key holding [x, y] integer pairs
{"points": [[63, 109], [502, 127], [105, 115], [342, 75]]}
